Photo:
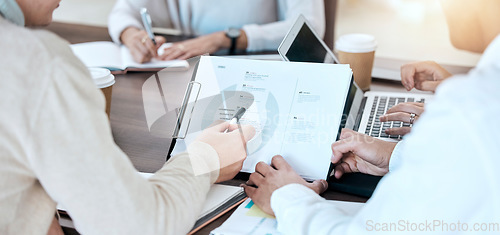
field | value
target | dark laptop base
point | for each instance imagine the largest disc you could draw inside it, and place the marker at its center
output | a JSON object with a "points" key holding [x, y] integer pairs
{"points": [[358, 184], [355, 183]]}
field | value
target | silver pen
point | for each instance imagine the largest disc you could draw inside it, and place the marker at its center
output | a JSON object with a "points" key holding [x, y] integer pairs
{"points": [[146, 21], [237, 116]]}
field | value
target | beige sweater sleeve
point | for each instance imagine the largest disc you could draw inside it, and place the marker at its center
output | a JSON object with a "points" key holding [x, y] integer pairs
{"points": [[74, 157]]}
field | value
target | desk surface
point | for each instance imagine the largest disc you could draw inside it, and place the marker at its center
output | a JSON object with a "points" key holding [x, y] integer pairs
{"points": [[128, 121]]}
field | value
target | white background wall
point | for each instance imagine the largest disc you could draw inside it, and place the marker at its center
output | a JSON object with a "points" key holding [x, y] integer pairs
{"points": [[405, 29]]}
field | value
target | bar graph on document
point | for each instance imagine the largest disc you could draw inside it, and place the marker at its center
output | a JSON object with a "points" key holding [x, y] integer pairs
{"points": [[248, 219]]}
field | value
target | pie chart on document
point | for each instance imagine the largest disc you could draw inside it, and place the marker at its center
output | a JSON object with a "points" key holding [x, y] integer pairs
{"points": [[262, 113]]}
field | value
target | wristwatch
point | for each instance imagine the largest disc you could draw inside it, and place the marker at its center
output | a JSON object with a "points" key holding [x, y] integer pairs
{"points": [[233, 34]]}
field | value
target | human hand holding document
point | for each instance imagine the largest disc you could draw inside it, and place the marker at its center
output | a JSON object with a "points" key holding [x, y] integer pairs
{"points": [[296, 108]]}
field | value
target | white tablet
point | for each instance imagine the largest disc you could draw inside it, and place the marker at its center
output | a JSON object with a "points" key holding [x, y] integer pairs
{"points": [[302, 44]]}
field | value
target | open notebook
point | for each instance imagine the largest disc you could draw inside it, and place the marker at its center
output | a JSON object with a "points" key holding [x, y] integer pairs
{"points": [[118, 59]]}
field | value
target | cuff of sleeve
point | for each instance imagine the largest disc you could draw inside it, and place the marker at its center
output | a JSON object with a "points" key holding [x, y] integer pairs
{"points": [[395, 160], [289, 196], [253, 44], [116, 31], [204, 160]]}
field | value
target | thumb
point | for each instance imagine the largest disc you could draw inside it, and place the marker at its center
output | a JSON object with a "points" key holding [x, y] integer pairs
{"points": [[428, 85], [219, 126], [248, 132], [347, 133], [318, 186]]}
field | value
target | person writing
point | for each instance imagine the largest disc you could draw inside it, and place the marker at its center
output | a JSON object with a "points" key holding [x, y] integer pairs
{"points": [[444, 178], [56, 145], [251, 25]]}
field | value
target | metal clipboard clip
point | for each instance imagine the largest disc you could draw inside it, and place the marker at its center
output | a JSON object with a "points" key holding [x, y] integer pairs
{"points": [[181, 128]]}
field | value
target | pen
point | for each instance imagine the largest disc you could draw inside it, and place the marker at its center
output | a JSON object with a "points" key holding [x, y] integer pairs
{"points": [[237, 116], [146, 20]]}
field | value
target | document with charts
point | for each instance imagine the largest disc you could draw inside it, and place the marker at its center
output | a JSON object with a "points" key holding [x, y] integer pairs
{"points": [[296, 108]]}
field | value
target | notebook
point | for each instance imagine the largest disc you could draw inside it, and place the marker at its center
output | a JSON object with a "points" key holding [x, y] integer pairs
{"points": [[118, 59]]}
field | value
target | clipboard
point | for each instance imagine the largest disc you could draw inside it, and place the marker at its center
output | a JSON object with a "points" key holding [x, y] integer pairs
{"points": [[223, 103], [297, 112], [192, 86]]}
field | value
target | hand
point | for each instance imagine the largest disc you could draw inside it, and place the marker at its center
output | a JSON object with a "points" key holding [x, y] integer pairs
{"points": [[230, 146], [356, 152], [55, 228], [402, 112], [267, 179], [424, 76], [194, 47], [140, 45]]}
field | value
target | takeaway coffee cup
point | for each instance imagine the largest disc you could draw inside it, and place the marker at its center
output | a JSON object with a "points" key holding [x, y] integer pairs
{"points": [[104, 80], [358, 50]]}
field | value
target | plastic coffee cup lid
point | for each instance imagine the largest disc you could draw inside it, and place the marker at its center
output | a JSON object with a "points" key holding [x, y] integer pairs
{"points": [[102, 77], [356, 43]]}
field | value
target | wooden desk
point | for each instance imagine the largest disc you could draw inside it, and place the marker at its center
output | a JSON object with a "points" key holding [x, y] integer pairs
{"points": [[128, 121]]}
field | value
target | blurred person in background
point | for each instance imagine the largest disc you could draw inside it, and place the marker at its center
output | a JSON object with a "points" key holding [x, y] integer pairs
{"points": [[251, 25]]}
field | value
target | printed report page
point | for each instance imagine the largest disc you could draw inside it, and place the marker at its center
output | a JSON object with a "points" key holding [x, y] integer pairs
{"points": [[295, 108]]}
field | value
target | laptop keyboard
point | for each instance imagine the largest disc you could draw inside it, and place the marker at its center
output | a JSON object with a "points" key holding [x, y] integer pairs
{"points": [[380, 106]]}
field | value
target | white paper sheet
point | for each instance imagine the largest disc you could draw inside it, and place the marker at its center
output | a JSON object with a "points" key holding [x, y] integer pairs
{"points": [[299, 107]]}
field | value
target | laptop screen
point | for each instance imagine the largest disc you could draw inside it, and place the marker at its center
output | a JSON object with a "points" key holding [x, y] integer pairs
{"points": [[307, 48]]}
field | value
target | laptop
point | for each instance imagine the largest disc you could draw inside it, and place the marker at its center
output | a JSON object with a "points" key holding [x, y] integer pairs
{"points": [[362, 109]]}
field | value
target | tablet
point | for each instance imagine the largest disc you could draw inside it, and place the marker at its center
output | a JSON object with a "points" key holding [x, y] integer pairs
{"points": [[301, 43]]}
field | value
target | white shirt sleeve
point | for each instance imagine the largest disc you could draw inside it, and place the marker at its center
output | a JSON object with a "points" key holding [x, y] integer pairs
{"points": [[299, 210], [126, 13], [447, 177], [395, 160], [269, 36], [122, 16]]}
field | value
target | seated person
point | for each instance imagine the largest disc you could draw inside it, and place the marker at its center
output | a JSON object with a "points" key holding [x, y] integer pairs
{"points": [[260, 24], [443, 178], [56, 145]]}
